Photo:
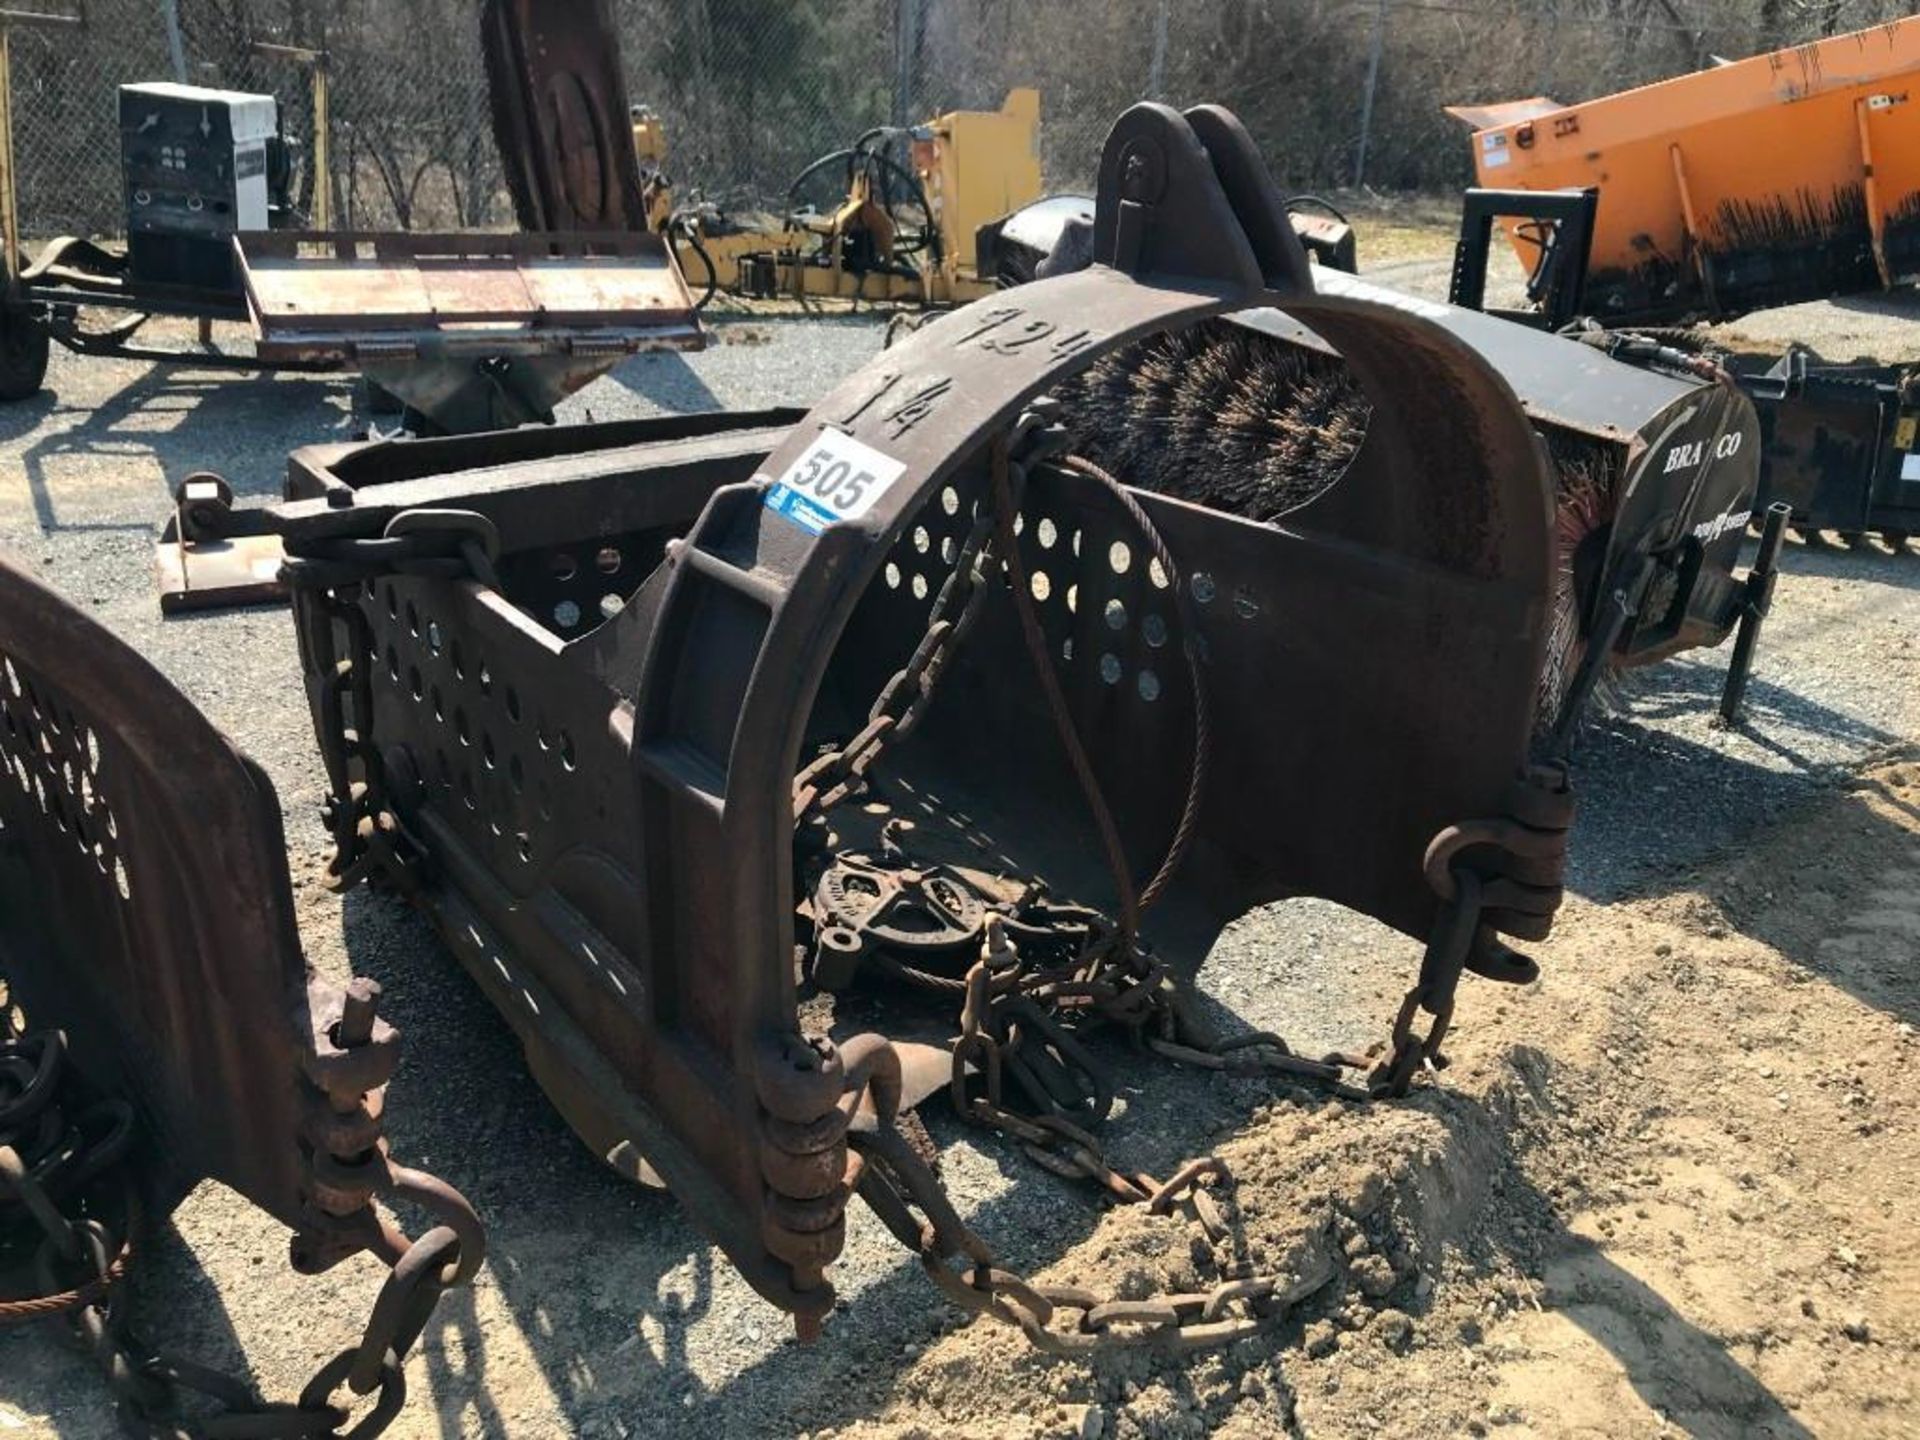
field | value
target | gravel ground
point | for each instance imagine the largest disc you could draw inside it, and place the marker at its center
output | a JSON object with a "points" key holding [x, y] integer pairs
{"points": [[603, 1312]]}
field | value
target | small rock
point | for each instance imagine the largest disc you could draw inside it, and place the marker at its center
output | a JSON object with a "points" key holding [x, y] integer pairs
{"points": [[1371, 1193], [1093, 1423], [1846, 1257], [1505, 1415], [1808, 1308], [1357, 1245], [1322, 1340], [1857, 1330], [1374, 1276], [1395, 1329], [1663, 949]]}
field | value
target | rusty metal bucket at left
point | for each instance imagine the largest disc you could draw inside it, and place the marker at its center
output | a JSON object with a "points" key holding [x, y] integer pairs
{"points": [[148, 941]]}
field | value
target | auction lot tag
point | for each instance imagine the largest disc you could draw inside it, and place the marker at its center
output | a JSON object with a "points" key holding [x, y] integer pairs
{"points": [[838, 478]]}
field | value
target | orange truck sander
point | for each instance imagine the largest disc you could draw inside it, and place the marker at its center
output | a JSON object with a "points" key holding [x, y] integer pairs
{"points": [[1772, 181]]}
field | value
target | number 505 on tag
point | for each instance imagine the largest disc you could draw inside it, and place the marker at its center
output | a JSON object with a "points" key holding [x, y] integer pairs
{"points": [[837, 478]]}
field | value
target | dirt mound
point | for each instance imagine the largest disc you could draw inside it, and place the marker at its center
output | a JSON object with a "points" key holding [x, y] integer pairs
{"points": [[1648, 1198]]}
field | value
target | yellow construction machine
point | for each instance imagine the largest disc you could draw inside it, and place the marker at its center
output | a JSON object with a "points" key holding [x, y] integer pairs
{"points": [[898, 216], [936, 214]]}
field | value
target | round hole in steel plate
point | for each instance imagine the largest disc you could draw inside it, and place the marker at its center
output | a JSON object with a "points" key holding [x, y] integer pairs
{"points": [[433, 636], [950, 500], [919, 587], [1203, 587], [566, 750], [487, 755], [1041, 586], [1073, 598], [460, 727], [1110, 669], [1245, 603], [1116, 615], [611, 605], [893, 576], [566, 615], [922, 541], [1120, 557], [513, 705], [414, 683], [608, 560], [413, 620], [1149, 686], [1048, 534], [1154, 628], [439, 705], [562, 566], [1157, 573]]}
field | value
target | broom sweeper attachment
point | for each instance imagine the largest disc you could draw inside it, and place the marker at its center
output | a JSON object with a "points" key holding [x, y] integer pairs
{"points": [[158, 1027], [1653, 453], [668, 726]]}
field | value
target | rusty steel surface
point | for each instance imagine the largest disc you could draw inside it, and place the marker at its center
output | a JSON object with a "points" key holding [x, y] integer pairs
{"points": [[300, 282], [144, 902], [560, 114], [564, 700]]}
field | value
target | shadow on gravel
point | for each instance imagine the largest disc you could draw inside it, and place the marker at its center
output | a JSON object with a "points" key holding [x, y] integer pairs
{"points": [[1654, 805], [1899, 304], [43, 1372], [1678, 1369], [666, 380], [1682, 1372], [239, 425], [1869, 558]]}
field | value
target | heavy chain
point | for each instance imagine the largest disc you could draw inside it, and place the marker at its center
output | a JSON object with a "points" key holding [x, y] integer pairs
{"points": [[434, 544], [70, 1220], [904, 1193], [840, 772]]}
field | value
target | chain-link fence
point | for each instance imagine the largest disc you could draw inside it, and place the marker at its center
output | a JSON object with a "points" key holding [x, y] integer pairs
{"points": [[753, 90]]}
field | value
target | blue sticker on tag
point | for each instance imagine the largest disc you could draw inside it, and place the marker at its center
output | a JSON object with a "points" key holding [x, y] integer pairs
{"points": [[837, 478]]}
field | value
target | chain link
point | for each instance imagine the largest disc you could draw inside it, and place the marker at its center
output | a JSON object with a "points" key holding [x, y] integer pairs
{"points": [[838, 773], [908, 1198], [68, 1199]]}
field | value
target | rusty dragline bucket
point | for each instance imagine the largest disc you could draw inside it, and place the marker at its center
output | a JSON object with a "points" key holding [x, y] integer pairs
{"points": [[598, 702]]}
